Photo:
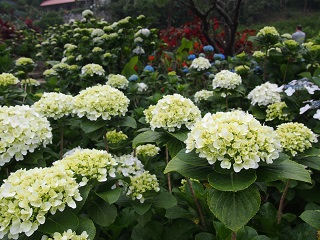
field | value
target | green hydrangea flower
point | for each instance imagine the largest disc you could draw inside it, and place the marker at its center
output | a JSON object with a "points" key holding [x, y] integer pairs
{"points": [[67, 235], [147, 150], [8, 79], [116, 137], [275, 111], [117, 81]]}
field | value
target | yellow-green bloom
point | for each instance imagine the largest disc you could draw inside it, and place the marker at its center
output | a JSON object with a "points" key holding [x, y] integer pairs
{"points": [[259, 54], [30, 82], [67, 235], [147, 150], [295, 137], [226, 79], [202, 95], [8, 79], [116, 137], [268, 31], [242, 69], [275, 111], [171, 112], [117, 81], [92, 69], [292, 45], [23, 61], [235, 139]]}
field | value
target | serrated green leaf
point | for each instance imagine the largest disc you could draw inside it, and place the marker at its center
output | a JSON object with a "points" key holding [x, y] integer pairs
{"points": [[110, 196], [102, 213], [148, 137], [60, 222], [234, 209], [312, 217], [233, 181], [164, 200], [85, 224], [91, 126], [141, 208], [281, 170]]}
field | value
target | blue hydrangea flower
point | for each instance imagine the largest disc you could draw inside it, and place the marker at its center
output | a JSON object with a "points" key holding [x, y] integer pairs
{"points": [[133, 77], [148, 68], [208, 48], [191, 57], [219, 56], [185, 70]]}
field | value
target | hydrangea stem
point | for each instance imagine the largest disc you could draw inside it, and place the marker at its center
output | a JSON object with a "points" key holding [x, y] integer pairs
{"points": [[233, 235], [105, 140], [61, 140], [195, 199], [168, 174], [283, 197]]}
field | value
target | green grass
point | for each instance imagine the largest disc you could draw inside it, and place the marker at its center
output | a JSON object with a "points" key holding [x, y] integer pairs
{"points": [[286, 23]]}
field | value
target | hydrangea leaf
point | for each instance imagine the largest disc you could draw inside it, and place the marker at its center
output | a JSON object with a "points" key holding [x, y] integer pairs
{"points": [[128, 69], [87, 225], [164, 200], [312, 217], [110, 196], [281, 170], [91, 126], [232, 181], [102, 214], [148, 137], [310, 158], [60, 222], [234, 209]]}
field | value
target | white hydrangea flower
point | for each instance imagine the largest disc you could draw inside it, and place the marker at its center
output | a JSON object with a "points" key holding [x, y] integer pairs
{"points": [[100, 101], [235, 139], [142, 87], [144, 31], [67, 235], [89, 164], [22, 130], [202, 95], [200, 64], [54, 105], [147, 150], [8, 79], [171, 112], [295, 137], [87, 13], [138, 50], [128, 165], [265, 94], [117, 81], [27, 196], [226, 79], [141, 183], [317, 115], [92, 69], [97, 32]]}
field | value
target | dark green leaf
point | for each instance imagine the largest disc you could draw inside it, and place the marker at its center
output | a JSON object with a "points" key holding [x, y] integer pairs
{"points": [[310, 158], [281, 170], [204, 236], [110, 196], [182, 136], [147, 137], [87, 225], [164, 200], [174, 146], [128, 122], [235, 209], [312, 217], [60, 222], [178, 212], [141, 208], [91, 126], [232, 181], [128, 69], [84, 192], [102, 213]]}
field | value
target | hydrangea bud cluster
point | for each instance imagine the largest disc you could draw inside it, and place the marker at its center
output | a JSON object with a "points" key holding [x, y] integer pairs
{"points": [[295, 137], [226, 79], [100, 101], [28, 195], [92, 69], [8, 79], [115, 137], [236, 139], [147, 150], [259, 54], [67, 235], [30, 82], [171, 112], [242, 69], [265, 94], [299, 85], [200, 64], [54, 105], [128, 165], [24, 61], [22, 130], [292, 45], [89, 164], [275, 111], [117, 81], [268, 31], [202, 95], [142, 183]]}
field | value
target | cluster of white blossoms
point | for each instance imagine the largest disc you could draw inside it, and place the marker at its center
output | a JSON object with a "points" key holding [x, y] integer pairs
{"points": [[144, 32], [275, 111], [22, 130], [30, 82], [117, 81], [24, 61], [236, 139], [87, 13], [8, 79], [54, 105], [67, 235], [268, 31], [100, 101], [147, 150], [265, 94], [142, 87], [28, 195], [299, 85], [312, 104], [226, 79], [200, 64], [295, 137], [97, 32], [89, 164], [202, 95], [128, 165], [171, 112], [92, 69], [116, 137], [142, 183]]}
